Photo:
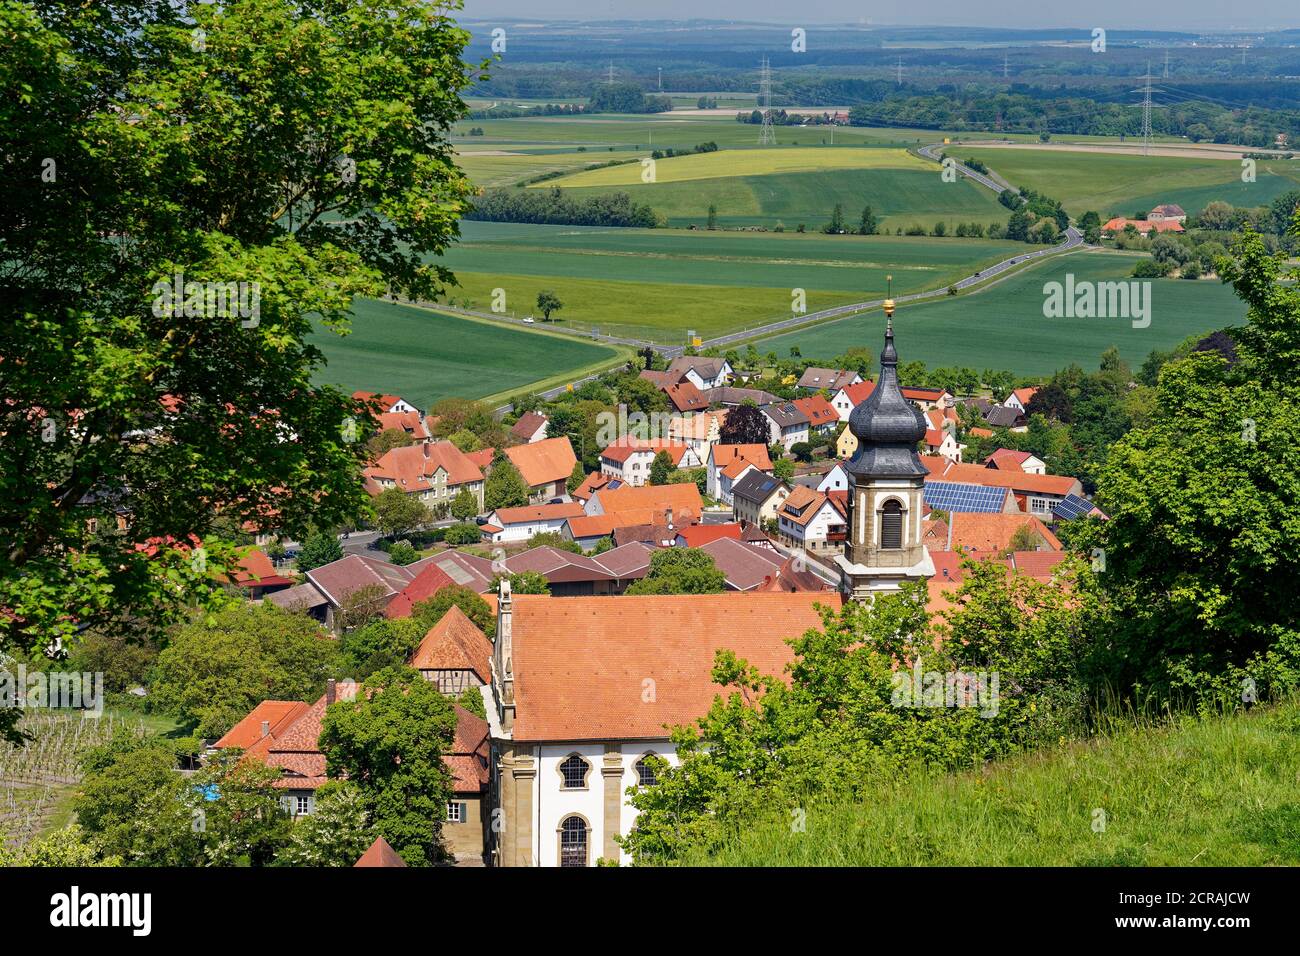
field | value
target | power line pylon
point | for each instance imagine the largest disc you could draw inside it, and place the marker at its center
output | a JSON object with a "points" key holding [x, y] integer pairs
{"points": [[766, 135], [898, 79], [1146, 89]]}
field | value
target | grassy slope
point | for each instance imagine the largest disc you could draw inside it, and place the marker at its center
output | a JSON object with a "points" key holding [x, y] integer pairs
{"points": [[425, 355], [1004, 327], [1218, 792], [659, 283], [1117, 185]]}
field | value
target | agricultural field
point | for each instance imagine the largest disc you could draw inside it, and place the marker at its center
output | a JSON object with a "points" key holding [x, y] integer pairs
{"points": [[424, 355], [657, 284], [1119, 185], [1003, 326]]}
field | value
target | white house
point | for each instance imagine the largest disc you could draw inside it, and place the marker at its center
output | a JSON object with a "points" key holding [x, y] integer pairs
{"points": [[810, 520], [837, 479], [519, 524], [629, 459], [1020, 398], [727, 464], [699, 430], [530, 428], [387, 403], [701, 371]]}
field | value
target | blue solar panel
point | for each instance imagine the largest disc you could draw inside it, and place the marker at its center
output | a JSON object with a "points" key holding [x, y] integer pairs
{"points": [[1071, 507], [960, 496]]}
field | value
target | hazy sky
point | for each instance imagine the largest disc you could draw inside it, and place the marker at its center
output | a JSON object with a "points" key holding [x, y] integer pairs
{"points": [[1111, 14]]}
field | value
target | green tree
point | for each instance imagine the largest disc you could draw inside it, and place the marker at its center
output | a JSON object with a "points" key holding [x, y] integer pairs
{"points": [[713, 217], [69, 846], [661, 469], [465, 440], [280, 153], [388, 439], [783, 470], [548, 302], [398, 512], [681, 571], [389, 742], [430, 611], [383, 642], [576, 477], [320, 548], [868, 224], [216, 669], [464, 533], [524, 582], [403, 552], [465, 505], [836, 225], [504, 487], [336, 833]]}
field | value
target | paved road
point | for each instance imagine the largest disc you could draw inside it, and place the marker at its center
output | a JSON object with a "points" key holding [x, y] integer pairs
{"points": [[932, 151]]}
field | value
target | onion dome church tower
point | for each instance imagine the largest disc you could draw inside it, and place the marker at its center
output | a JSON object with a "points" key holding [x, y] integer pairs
{"points": [[886, 488]]}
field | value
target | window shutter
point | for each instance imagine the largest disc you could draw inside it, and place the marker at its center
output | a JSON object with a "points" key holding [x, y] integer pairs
{"points": [[891, 526]]}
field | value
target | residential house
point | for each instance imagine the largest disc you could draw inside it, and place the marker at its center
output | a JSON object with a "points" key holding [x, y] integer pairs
{"points": [[628, 563], [700, 431], [545, 466], [1035, 494], [530, 428], [1019, 398], [681, 503], [1167, 212], [756, 497], [827, 379], [940, 436], [682, 395], [567, 574], [256, 576], [701, 371], [950, 496], [983, 535], [593, 483], [385, 403], [285, 735], [1004, 416], [571, 720], [506, 525], [821, 415], [789, 425], [1006, 459], [629, 459], [435, 472], [344, 583], [727, 464], [729, 396], [812, 520], [849, 397], [410, 424], [455, 654], [747, 567]]}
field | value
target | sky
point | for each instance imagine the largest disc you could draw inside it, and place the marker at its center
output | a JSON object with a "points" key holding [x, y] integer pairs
{"points": [[1110, 14]]}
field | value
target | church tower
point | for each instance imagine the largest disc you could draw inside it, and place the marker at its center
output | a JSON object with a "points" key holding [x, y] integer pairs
{"points": [[886, 488]]}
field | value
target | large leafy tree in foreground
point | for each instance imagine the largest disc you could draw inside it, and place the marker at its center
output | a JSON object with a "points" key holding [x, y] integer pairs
{"points": [[1202, 545], [295, 154]]}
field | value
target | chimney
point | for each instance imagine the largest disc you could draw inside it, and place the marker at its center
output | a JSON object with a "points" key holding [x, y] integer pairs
{"points": [[425, 446], [331, 691], [266, 728]]}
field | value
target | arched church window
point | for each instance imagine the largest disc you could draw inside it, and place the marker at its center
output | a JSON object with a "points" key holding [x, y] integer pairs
{"points": [[573, 772], [573, 842], [891, 525]]}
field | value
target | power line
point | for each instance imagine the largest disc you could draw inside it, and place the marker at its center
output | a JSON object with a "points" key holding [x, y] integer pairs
{"points": [[1146, 90]]}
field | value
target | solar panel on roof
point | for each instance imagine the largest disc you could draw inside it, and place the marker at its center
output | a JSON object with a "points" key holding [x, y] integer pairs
{"points": [[1071, 507], [963, 497]]}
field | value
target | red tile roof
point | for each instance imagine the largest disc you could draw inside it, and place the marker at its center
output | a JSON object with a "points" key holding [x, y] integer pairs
{"points": [[699, 534], [857, 393], [651, 502], [685, 397], [429, 581], [992, 533], [528, 513], [757, 455], [408, 422], [545, 461], [818, 411], [528, 424], [277, 714], [413, 467], [482, 458], [380, 854], [623, 449], [592, 483], [350, 573], [581, 663], [945, 470], [455, 643]]}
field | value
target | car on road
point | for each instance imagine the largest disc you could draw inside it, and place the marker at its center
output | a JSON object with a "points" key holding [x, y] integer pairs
{"points": [[528, 320]]}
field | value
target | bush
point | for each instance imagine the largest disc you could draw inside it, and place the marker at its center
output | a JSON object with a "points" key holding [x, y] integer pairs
{"points": [[465, 533]]}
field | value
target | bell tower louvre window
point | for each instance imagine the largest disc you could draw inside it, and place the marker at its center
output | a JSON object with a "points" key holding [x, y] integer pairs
{"points": [[891, 526]]}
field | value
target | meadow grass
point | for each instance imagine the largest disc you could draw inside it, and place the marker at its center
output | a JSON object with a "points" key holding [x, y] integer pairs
{"points": [[1003, 326], [1121, 185], [424, 355], [1218, 791]]}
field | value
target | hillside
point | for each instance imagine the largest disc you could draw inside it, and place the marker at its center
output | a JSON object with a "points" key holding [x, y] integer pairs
{"points": [[1216, 792]]}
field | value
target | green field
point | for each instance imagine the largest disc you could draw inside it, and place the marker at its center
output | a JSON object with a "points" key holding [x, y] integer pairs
{"points": [[657, 284], [1003, 326], [424, 355], [1119, 185], [1213, 792]]}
